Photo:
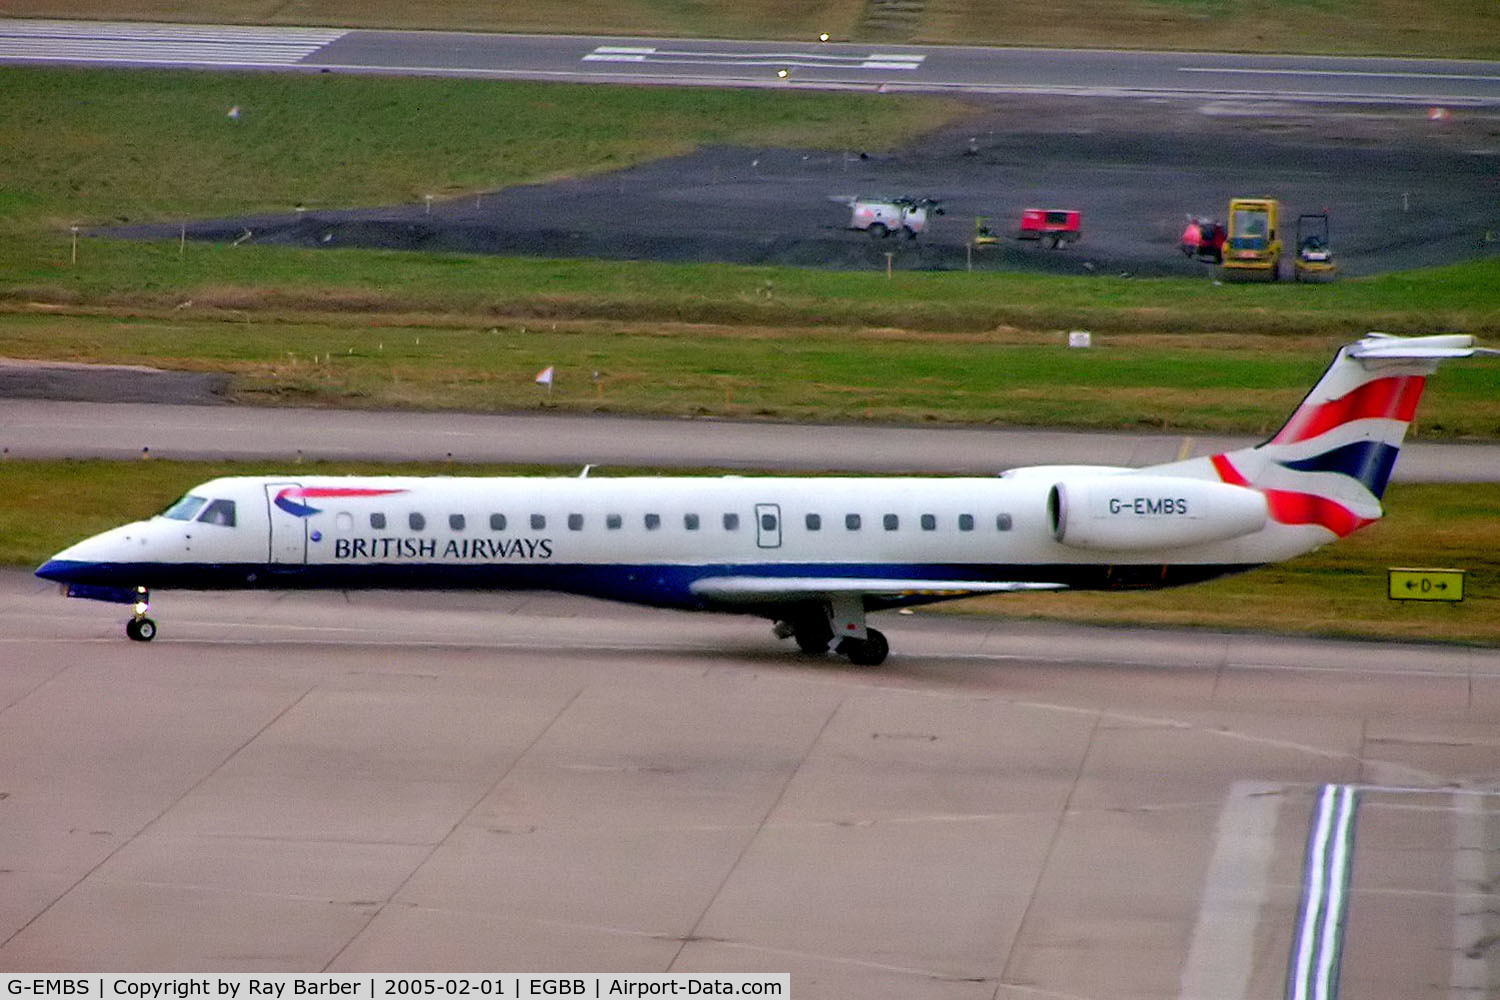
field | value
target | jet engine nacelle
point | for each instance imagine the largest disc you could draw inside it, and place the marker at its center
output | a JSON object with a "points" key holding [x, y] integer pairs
{"points": [[1151, 512]]}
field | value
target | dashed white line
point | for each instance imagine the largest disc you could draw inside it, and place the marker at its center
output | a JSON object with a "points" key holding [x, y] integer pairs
{"points": [[802, 60], [1369, 74], [1222, 954]]}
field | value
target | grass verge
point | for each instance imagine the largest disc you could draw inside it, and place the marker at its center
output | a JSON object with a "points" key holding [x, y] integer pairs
{"points": [[822, 374], [277, 281], [1339, 590]]}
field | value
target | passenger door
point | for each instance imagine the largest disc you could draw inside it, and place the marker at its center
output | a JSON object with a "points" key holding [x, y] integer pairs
{"points": [[768, 525], [288, 538]]}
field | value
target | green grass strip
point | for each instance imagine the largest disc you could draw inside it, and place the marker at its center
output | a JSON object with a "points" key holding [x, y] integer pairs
{"points": [[822, 373]]}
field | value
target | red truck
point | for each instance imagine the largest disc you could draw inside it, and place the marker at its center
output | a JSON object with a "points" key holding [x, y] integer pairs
{"points": [[1054, 227]]}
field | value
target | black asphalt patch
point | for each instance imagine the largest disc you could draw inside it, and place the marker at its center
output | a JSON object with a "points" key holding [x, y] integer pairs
{"points": [[1403, 191], [110, 384]]}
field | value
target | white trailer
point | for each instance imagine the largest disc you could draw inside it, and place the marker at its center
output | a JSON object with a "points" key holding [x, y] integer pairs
{"points": [[881, 217]]}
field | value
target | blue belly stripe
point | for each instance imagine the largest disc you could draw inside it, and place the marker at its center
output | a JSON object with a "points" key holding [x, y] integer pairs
{"points": [[662, 585]]}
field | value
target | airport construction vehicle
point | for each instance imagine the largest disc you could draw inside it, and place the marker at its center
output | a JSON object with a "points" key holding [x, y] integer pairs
{"points": [[1252, 249], [1053, 227], [880, 217], [1314, 260], [984, 236]]}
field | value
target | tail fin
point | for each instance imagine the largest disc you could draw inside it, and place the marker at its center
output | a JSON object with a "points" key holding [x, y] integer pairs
{"points": [[1330, 464]]}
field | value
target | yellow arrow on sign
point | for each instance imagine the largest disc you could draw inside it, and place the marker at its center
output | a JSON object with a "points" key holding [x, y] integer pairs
{"points": [[1426, 584]]}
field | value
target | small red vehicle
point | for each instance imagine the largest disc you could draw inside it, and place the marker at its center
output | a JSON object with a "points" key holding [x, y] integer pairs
{"points": [[1052, 226]]}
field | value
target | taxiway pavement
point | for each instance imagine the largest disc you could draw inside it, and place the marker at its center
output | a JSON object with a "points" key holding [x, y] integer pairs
{"points": [[539, 783], [39, 428]]}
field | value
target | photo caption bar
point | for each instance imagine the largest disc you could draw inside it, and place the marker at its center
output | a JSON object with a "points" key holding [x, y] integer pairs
{"points": [[389, 986]]}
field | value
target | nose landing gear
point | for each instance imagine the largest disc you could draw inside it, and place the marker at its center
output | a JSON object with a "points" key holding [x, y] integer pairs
{"points": [[141, 628]]}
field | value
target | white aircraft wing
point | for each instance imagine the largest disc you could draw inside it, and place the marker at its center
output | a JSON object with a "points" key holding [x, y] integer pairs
{"points": [[800, 588]]}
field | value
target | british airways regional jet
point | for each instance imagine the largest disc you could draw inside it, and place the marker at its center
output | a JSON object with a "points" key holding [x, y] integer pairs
{"points": [[814, 555]]}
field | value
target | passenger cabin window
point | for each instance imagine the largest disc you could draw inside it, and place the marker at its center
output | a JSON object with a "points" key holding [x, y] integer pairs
{"points": [[377, 521], [538, 522], [929, 522], [966, 522], [1002, 522], [731, 522], [891, 522], [344, 521], [456, 522], [815, 522], [768, 522], [184, 509], [497, 522], [575, 522], [653, 521], [219, 512], [851, 521], [417, 521], [613, 521], [690, 522]]}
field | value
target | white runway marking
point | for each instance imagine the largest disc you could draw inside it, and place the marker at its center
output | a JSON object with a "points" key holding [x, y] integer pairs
{"points": [[160, 44], [1314, 972], [1222, 954], [1368, 74], [804, 60]]}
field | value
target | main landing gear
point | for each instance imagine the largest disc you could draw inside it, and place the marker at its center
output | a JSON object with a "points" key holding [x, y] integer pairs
{"points": [[867, 652], [838, 625], [141, 628]]}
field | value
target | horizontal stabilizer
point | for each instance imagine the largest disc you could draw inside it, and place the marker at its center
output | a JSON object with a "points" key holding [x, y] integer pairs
{"points": [[1380, 346], [798, 588]]}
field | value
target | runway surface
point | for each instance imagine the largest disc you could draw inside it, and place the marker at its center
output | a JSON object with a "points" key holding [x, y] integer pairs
{"points": [[954, 69], [36, 428], [541, 783]]}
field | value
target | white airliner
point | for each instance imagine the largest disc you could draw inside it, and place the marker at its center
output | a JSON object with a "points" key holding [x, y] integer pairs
{"points": [[814, 555]]}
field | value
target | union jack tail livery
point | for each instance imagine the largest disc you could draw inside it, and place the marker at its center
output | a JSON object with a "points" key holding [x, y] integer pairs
{"points": [[1329, 465]]}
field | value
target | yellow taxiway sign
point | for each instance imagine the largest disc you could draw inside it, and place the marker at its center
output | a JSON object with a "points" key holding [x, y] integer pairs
{"points": [[1426, 584]]}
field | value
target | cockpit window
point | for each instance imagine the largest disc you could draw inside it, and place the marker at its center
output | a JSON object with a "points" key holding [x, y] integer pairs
{"points": [[219, 512], [184, 509]]}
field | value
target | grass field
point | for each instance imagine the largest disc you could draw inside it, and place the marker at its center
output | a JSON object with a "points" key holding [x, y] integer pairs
{"points": [[89, 147], [372, 328], [273, 281], [1339, 590], [1434, 27], [95, 146], [822, 373]]}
